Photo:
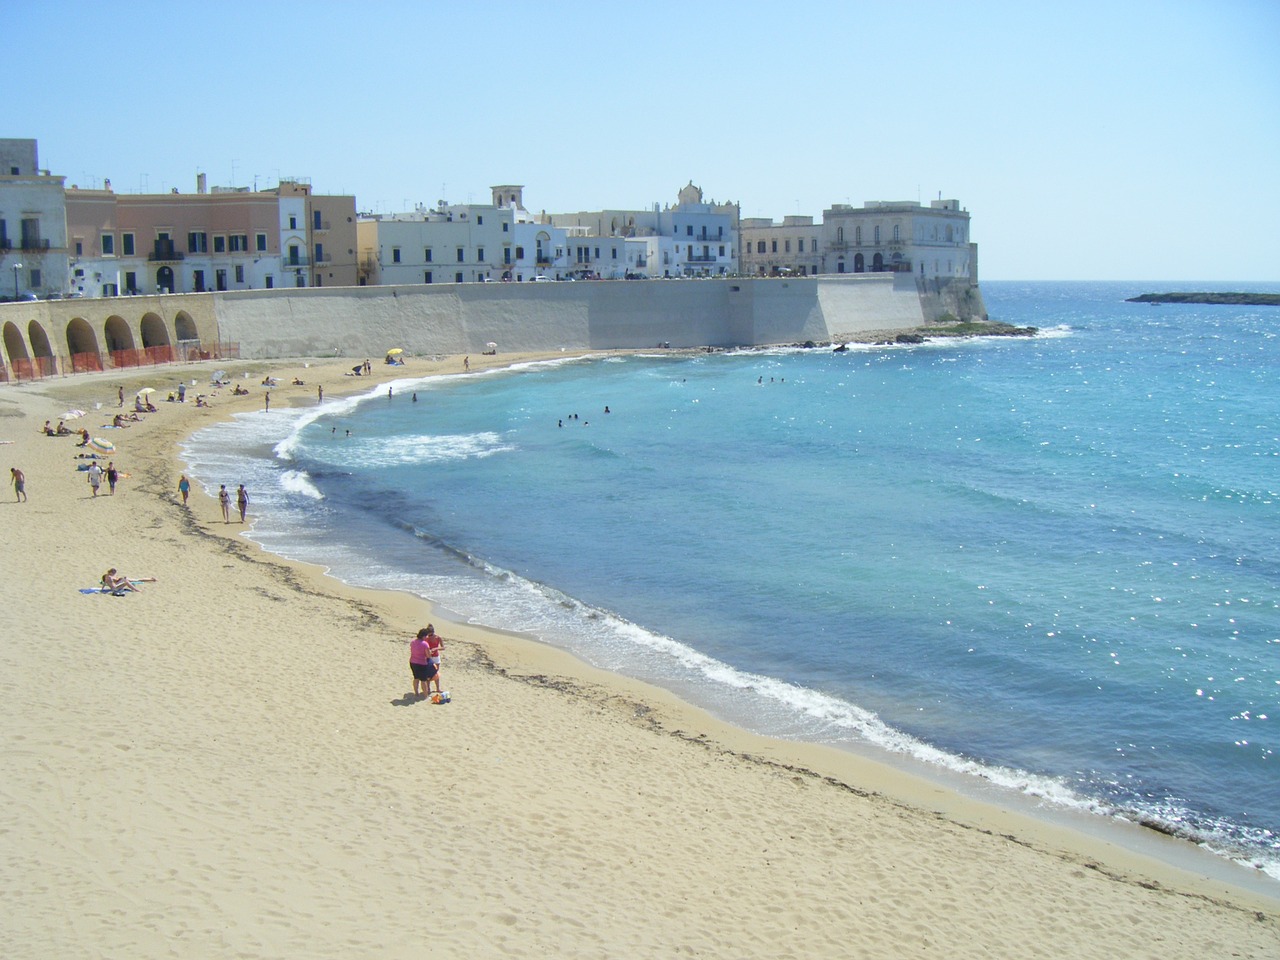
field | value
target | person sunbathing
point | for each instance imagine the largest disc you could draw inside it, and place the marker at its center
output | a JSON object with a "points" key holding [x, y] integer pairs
{"points": [[239, 391], [119, 421], [117, 585], [63, 431]]}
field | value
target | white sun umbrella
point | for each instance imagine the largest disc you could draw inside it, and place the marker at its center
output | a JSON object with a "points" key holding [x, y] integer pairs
{"points": [[73, 415]]}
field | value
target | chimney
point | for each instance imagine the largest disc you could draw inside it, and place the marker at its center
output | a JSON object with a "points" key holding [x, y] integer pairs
{"points": [[202, 183]]}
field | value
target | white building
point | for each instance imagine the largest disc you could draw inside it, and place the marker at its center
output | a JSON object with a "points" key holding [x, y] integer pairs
{"points": [[900, 236], [691, 239], [462, 243], [33, 224]]}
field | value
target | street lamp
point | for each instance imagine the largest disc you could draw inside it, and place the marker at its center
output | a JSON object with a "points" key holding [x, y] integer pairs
{"points": [[16, 268]]}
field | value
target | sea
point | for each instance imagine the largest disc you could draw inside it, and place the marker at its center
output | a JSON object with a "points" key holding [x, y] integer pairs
{"points": [[1046, 567]]}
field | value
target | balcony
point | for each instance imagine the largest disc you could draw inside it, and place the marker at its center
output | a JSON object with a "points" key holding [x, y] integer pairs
{"points": [[701, 258], [165, 252], [296, 260], [543, 260], [321, 225], [708, 237], [34, 244]]}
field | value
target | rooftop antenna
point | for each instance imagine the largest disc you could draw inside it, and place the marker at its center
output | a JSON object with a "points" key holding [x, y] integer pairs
{"points": [[233, 172]]}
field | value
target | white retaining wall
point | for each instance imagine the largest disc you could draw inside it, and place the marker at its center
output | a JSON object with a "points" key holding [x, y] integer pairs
{"points": [[463, 318]]}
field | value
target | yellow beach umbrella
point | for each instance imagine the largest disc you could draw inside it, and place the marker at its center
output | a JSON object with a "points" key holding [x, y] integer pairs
{"points": [[394, 352]]}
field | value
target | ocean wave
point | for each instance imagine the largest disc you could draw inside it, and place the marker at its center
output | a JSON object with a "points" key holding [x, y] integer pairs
{"points": [[297, 481]]}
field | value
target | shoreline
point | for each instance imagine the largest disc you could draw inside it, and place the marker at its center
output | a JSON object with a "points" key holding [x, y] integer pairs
{"points": [[810, 806]]}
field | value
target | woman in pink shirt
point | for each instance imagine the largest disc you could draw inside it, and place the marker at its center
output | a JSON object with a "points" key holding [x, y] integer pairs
{"points": [[420, 664]]}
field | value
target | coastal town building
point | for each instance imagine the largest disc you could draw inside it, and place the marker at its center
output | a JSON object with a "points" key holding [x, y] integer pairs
{"points": [[33, 226], [461, 243], [880, 236], [693, 238], [780, 250], [227, 238]]}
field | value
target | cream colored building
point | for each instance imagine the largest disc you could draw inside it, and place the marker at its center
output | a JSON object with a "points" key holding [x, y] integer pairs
{"points": [[790, 248]]}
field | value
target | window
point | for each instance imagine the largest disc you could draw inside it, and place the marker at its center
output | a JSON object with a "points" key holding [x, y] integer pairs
{"points": [[197, 243], [319, 253], [239, 243], [480, 254], [221, 279], [197, 280], [239, 273], [35, 279], [597, 253], [773, 246], [759, 246], [271, 281], [130, 282], [295, 255], [877, 234], [426, 276], [219, 244], [897, 232], [786, 246], [426, 255], [613, 253], [722, 249], [316, 222], [688, 230], [479, 221], [857, 236], [395, 254], [461, 256], [262, 242], [126, 242], [80, 248], [457, 277], [506, 254], [519, 253], [800, 245], [293, 223], [505, 226]]}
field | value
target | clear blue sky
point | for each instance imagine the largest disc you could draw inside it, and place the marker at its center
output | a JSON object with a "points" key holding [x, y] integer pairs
{"points": [[1120, 140]]}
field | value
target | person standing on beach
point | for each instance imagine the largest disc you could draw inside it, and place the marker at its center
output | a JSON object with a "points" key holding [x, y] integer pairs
{"points": [[120, 395], [267, 400], [420, 663], [435, 644], [184, 488], [320, 394], [112, 476], [242, 501], [19, 484], [224, 499], [95, 477]]}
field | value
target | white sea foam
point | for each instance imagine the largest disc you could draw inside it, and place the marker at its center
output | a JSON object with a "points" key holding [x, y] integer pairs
{"points": [[297, 481]]}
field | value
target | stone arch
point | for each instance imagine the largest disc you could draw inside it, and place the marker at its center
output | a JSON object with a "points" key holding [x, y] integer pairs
{"points": [[117, 334], [154, 332], [877, 263], [80, 336], [185, 327], [14, 346], [859, 263], [40, 345]]}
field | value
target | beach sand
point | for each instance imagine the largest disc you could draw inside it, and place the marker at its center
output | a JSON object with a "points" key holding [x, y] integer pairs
{"points": [[228, 764]]}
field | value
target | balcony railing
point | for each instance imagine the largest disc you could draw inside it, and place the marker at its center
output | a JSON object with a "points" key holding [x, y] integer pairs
{"points": [[34, 243], [162, 252], [543, 259], [701, 258], [297, 260], [321, 225]]}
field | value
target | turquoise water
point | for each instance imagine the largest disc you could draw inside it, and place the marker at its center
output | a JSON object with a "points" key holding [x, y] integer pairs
{"points": [[1051, 563]]}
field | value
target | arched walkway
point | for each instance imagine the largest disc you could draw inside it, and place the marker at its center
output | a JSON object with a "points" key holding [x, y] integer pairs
{"points": [[83, 344], [14, 346], [40, 345], [185, 327], [154, 332]]}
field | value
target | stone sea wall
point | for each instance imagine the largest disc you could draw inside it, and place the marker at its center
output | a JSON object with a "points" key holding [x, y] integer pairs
{"points": [[464, 318]]}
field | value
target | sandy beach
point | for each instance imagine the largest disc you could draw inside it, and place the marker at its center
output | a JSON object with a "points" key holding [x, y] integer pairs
{"points": [[229, 763]]}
